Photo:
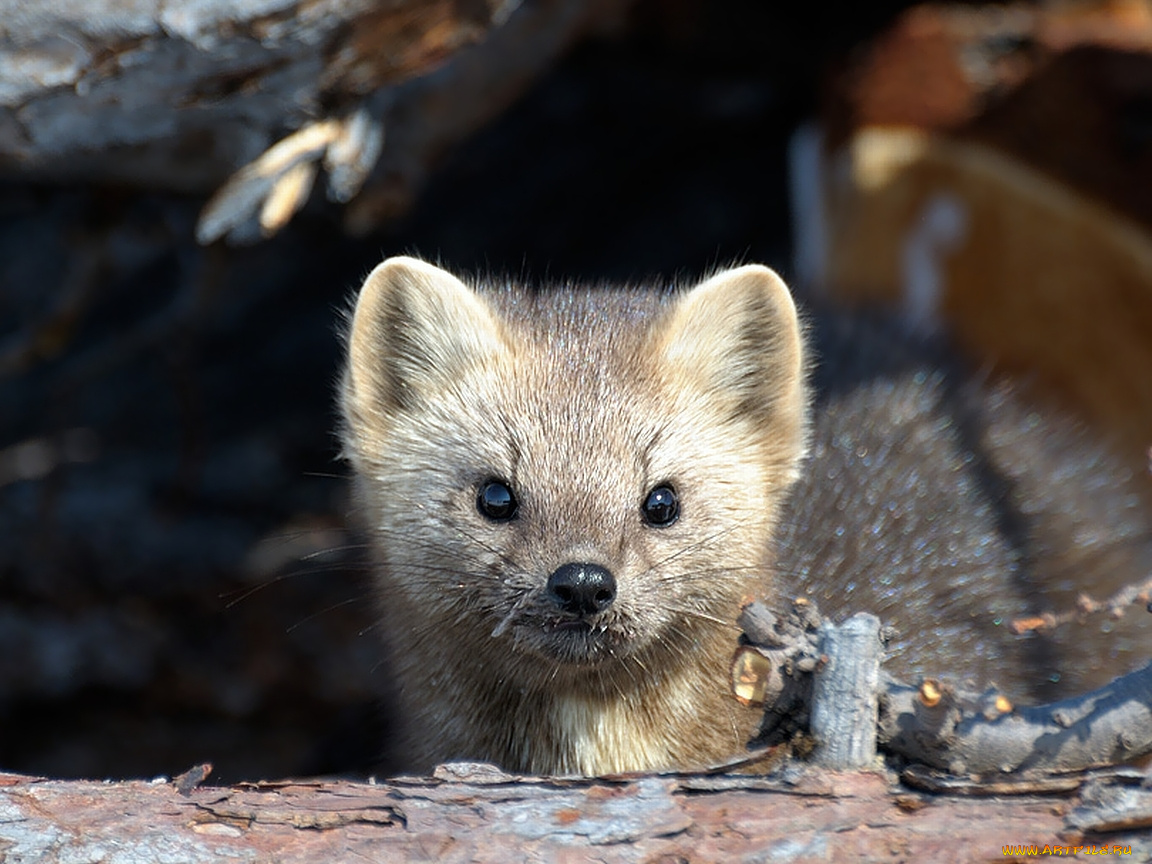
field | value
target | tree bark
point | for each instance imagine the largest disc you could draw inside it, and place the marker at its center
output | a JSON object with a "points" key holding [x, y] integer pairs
{"points": [[475, 813], [181, 96]]}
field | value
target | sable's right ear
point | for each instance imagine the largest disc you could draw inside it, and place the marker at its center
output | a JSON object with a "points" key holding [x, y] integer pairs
{"points": [[416, 328]]}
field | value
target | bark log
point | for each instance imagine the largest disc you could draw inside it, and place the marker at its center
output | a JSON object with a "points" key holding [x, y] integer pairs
{"points": [[475, 813], [181, 96]]}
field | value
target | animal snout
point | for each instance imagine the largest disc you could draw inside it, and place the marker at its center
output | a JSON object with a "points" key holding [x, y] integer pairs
{"points": [[582, 589]]}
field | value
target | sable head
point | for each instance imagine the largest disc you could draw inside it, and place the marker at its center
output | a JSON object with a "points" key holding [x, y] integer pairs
{"points": [[571, 479]]}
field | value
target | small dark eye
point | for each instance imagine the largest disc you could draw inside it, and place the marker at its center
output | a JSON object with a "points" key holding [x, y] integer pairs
{"points": [[661, 507], [496, 501]]}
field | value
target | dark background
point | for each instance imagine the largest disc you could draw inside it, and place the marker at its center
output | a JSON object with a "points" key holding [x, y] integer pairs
{"points": [[177, 584]]}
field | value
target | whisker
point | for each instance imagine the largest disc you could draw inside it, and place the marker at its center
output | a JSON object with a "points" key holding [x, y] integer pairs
{"points": [[335, 550], [506, 621], [704, 616], [451, 525], [331, 608], [694, 547], [687, 577], [374, 625], [240, 595]]}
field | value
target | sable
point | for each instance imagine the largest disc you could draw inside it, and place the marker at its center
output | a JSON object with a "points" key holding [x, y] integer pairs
{"points": [[571, 492]]}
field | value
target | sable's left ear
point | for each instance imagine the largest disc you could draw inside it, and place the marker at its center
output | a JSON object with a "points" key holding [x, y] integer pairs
{"points": [[738, 334]]}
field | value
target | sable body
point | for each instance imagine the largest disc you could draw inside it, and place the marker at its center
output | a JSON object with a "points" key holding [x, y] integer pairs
{"points": [[575, 635], [950, 506]]}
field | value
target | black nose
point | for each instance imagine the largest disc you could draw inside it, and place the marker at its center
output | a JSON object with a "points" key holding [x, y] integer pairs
{"points": [[582, 589]]}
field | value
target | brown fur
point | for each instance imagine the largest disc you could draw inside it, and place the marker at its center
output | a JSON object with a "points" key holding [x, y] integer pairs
{"points": [[582, 401], [949, 504]]}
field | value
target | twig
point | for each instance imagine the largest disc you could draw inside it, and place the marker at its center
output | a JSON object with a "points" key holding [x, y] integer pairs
{"points": [[1115, 606]]}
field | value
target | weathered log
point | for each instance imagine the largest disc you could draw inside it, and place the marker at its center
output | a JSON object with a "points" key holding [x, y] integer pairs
{"points": [[182, 96], [179, 95], [475, 813]]}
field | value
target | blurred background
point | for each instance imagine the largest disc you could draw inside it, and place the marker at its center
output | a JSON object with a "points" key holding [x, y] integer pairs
{"points": [[189, 196]]}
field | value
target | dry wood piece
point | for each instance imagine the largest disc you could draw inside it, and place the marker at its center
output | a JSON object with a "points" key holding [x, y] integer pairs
{"points": [[192, 778], [179, 95], [936, 723], [845, 693], [774, 667], [942, 783], [396, 134]]}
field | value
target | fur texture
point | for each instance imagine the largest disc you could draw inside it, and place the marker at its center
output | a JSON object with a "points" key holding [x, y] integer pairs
{"points": [[949, 505], [581, 402]]}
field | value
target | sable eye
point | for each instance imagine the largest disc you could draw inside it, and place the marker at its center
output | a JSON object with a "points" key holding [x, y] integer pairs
{"points": [[496, 501], [661, 507]]}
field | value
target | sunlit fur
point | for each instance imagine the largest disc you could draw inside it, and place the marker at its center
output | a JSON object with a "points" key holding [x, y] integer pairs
{"points": [[582, 400]]}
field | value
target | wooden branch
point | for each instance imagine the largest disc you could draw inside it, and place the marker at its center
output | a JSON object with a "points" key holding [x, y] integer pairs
{"points": [[1086, 606], [1108, 726], [476, 813], [935, 724], [845, 693]]}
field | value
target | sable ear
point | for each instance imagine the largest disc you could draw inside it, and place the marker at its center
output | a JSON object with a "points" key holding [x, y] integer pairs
{"points": [[738, 335], [415, 330]]}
